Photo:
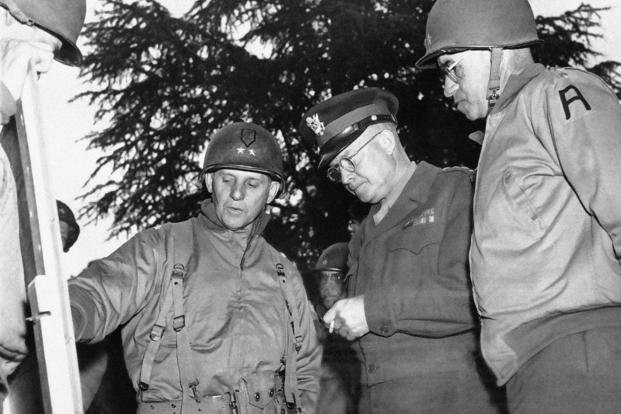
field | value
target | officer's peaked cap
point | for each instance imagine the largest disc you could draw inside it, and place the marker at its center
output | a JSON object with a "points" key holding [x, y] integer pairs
{"points": [[337, 122]]}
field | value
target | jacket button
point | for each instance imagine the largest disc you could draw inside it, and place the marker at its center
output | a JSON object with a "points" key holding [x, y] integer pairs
{"points": [[271, 392], [257, 396], [372, 368]]}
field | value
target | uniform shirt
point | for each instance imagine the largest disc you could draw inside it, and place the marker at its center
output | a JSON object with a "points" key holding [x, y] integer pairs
{"points": [[411, 269], [547, 217], [234, 309]]}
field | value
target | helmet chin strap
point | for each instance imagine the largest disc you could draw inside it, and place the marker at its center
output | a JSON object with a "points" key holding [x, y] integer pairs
{"points": [[493, 86]]}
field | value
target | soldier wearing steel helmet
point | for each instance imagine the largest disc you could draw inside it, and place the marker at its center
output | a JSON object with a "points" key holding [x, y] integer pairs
{"points": [[32, 34], [408, 305], [547, 225], [215, 319], [340, 369]]}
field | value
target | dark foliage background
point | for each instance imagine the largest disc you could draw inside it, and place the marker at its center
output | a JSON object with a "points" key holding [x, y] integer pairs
{"points": [[165, 84]]}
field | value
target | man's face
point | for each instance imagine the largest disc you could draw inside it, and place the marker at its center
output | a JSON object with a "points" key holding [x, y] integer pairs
{"points": [[370, 178], [331, 287], [469, 89], [240, 196]]}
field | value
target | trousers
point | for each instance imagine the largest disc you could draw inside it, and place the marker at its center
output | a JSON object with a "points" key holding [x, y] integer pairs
{"points": [[578, 373]]}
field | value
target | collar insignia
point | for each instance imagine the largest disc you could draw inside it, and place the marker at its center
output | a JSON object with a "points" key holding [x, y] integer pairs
{"points": [[315, 124]]}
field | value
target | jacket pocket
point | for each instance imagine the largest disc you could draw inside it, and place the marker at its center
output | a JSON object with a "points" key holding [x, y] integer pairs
{"points": [[517, 193], [261, 389], [413, 238]]}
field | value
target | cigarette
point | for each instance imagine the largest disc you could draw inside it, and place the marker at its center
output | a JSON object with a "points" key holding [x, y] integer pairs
{"points": [[331, 326]]}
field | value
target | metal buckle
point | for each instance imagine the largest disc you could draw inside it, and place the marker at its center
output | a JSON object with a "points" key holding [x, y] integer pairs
{"points": [[178, 323]]}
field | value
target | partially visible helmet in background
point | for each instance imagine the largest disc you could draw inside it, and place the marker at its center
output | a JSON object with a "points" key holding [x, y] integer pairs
{"points": [[62, 18], [66, 217], [457, 25], [245, 146], [333, 258]]}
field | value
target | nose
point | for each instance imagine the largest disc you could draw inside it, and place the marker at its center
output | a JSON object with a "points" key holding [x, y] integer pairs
{"points": [[449, 87], [237, 191], [346, 176]]}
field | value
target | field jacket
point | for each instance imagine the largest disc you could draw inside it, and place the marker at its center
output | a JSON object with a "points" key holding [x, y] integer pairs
{"points": [[234, 309], [547, 214]]}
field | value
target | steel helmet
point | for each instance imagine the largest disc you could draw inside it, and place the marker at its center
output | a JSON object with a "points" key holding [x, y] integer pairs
{"points": [[62, 18], [457, 25], [333, 258], [66, 216], [245, 146]]}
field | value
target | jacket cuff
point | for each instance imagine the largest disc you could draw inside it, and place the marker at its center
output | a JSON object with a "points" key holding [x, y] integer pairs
{"points": [[377, 312]]}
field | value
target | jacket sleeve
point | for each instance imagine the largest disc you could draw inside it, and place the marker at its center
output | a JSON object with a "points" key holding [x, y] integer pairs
{"points": [[111, 290], [437, 304], [584, 117], [308, 364]]}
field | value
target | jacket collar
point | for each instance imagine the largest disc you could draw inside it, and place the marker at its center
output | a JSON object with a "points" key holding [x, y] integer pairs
{"points": [[415, 193], [210, 219], [515, 84]]}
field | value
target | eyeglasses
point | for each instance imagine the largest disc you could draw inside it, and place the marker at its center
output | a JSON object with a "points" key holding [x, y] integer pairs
{"points": [[345, 163], [450, 71], [334, 275]]}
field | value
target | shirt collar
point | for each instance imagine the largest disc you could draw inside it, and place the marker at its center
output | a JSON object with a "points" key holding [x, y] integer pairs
{"points": [[515, 83]]}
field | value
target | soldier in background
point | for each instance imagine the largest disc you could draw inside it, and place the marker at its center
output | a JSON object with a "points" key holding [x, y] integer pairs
{"points": [[32, 34], [340, 369]]}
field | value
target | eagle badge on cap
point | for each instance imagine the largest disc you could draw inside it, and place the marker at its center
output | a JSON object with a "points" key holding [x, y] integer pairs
{"points": [[315, 124]]}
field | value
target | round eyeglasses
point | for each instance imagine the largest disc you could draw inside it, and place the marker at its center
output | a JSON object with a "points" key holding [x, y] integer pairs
{"points": [[334, 275], [451, 71], [346, 164]]}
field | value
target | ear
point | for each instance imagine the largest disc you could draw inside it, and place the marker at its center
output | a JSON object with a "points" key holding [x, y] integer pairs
{"points": [[387, 141], [209, 182], [274, 187]]}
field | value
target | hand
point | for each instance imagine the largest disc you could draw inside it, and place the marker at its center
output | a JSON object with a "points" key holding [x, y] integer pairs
{"points": [[17, 57], [347, 318]]}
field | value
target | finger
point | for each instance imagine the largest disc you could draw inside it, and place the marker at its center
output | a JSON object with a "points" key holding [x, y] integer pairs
{"points": [[329, 316]]}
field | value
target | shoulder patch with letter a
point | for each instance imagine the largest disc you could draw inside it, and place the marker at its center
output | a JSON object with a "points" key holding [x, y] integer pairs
{"points": [[575, 96]]}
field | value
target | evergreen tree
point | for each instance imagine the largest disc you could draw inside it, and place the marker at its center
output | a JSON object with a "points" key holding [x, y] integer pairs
{"points": [[165, 84]]}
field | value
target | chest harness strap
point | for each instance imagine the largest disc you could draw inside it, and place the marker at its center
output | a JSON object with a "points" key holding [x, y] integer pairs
{"points": [[173, 298], [294, 344]]}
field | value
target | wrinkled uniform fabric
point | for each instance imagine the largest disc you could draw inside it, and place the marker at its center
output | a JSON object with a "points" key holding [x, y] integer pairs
{"points": [[547, 218], [12, 287], [412, 269], [234, 309]]}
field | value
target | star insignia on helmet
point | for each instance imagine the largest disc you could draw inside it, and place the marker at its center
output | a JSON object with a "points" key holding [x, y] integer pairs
{"points": [[240, 150], [251, 152], [315, 124]]}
